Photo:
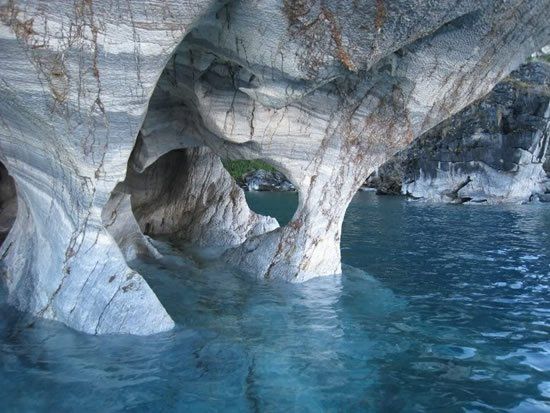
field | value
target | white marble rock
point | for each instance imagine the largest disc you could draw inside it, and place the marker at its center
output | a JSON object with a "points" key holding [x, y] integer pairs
{"points": [[325, 91]]}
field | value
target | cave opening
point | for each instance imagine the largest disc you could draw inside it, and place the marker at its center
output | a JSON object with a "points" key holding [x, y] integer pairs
{"points": [[267, 190], [188, 198], [186, 182]]}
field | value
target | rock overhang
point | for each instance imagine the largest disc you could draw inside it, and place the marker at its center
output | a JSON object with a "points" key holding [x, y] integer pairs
{"points": [[325, 91]]}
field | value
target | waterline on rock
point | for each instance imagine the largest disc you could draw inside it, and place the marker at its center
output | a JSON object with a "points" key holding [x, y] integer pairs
{"points": [[408, 326]]}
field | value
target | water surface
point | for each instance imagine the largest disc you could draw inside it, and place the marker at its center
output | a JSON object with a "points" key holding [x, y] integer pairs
{"points": [[440, 309]]}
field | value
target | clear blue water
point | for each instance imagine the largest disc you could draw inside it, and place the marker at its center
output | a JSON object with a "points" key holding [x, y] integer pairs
{"points": [[440, 309]]}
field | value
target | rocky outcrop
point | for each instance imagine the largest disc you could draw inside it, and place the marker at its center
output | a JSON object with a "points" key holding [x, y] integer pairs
{"points": [[262, 180], [324, 91], [492, 151], [544, 195]]}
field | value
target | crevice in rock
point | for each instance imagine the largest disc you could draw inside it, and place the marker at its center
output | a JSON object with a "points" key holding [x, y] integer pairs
{"points": [[8, 203]]}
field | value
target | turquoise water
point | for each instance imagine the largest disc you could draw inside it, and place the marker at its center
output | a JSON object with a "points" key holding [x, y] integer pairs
{"points": [[440, 309], [280, 205]]}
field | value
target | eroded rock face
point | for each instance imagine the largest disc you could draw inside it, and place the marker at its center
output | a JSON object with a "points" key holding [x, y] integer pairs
{"points": [[324, 91], [76, 81], [323, 122], [188, 195], [492, 151]]}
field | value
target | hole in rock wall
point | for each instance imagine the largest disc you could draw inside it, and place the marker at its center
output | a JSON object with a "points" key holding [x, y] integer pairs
{"points": [[267, 190], [187, 197], [170, 195], [178, 186], [8, 202]]}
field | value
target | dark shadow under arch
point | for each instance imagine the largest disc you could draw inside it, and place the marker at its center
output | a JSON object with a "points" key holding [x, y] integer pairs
{"points": [[8, 203]]}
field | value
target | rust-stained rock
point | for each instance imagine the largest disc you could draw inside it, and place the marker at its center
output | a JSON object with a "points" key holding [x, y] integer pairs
{"points": [[324, 91]]}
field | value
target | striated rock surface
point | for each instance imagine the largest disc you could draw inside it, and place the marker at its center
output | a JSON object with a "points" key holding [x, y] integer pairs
{"points": [[492, 151], [188, 195], [324, 91], [75, 83]]}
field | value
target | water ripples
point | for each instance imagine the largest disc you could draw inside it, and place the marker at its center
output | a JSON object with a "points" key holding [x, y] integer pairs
{"points": [[441, 308]]}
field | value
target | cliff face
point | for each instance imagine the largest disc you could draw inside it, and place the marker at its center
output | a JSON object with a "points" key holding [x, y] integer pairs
{"points": [[493, 151], [324, 91]]}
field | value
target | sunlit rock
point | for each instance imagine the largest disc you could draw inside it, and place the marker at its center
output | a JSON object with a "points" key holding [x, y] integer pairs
{"points": [[75, 82], [262, 180], [324, 91]]}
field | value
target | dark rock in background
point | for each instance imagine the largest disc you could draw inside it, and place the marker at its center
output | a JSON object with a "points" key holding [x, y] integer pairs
{"points": [[495, 150], [262, 180]]}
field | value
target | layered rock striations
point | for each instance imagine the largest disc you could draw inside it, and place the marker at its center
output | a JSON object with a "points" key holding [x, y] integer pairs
{"points": [[75, 83], [324, 91], [493, 151]]}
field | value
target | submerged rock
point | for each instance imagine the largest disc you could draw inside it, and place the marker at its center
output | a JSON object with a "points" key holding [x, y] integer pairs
{"points": [[495, 150], [262, 180]]}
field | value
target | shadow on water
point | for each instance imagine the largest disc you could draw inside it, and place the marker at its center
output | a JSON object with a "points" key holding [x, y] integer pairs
{"points": [[451, 315]]}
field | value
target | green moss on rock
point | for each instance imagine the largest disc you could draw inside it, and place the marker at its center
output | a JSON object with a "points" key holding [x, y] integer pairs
{"points": [[238, 168]]}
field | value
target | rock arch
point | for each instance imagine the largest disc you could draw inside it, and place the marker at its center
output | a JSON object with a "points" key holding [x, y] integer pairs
{"points": [[325, 91], [76, 82]]}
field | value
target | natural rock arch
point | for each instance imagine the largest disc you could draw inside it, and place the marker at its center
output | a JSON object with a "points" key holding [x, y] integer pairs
{"points": [[187, 195], [322, 121], [76, 83], [325, 92]]}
